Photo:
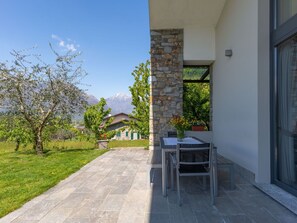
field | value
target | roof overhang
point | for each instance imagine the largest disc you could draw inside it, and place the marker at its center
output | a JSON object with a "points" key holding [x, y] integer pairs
{"points": [[176, 14]]}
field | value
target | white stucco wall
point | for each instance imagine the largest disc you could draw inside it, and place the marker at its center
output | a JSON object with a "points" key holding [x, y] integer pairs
{"points": [[199, 44], [235, 85], [263, 175]]}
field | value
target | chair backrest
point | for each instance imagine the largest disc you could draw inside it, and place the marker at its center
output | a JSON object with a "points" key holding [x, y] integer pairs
{"points": [[194, 154], [171, 134]]}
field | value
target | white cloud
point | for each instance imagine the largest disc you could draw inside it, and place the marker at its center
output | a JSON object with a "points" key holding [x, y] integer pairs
{"points": [[70, 45]]}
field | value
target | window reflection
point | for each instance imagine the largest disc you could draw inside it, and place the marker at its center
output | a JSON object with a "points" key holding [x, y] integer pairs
{"points": [[287, 9]]}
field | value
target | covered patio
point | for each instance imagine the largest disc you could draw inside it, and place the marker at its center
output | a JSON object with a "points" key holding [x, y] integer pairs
{"points": [[120, 186]]}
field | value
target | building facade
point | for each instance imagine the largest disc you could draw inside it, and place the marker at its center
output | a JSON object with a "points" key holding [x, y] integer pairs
{"points": [[120, 126], [251, 49]]}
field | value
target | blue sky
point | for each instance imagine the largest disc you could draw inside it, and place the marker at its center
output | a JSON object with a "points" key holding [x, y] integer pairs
{"points": [[112, 35]]}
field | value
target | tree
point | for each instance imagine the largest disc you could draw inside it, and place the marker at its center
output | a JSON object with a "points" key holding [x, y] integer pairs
{"points": [[58, 129], [13, 127], [140, 92], [196, 102], [41, 92], [95, 118]]}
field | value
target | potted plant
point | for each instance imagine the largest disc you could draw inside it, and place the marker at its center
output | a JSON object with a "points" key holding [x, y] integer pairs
{"points": [[198, 125], [181, 124]]}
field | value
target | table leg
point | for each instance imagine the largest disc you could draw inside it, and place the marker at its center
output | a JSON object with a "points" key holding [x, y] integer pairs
{"points": [[164, 173]]}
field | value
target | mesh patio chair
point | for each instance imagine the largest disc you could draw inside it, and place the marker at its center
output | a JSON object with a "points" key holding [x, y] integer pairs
{"points": [[200, 164], [171, 134]]}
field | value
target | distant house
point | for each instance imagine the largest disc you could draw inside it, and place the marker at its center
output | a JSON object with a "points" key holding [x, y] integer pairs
{"points": [[122, 130]]}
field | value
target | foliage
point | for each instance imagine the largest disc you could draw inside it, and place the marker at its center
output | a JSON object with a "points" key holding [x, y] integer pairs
{"points": [[13, 127], [196, 103], [41, 92], [140, 92], [24, 176], [95, 119], [58, 128], [83, 134], [193, 73], [108, 135], [179, 122], [128, 143]]}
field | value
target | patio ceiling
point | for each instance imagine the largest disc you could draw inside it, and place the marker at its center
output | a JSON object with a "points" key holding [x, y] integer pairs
{"points": [[170, 14]]}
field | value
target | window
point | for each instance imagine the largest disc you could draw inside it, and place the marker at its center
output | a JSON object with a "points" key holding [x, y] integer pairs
{"points": [[196, 96], [284, 95], [196, 74], [127, 133], [286, 122], [286, 10]]}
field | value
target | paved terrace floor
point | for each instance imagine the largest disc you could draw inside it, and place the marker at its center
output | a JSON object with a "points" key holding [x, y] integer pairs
{"points": [[116, 188]]}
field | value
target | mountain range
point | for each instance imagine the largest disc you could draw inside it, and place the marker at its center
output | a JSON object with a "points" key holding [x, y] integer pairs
{"points": [[119, 103]]}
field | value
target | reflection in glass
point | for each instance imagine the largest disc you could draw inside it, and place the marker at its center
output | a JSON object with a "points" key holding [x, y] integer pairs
{"points": [[287, 9], [195, 73]]}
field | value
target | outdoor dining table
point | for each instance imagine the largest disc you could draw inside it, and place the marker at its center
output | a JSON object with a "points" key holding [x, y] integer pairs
{"points": [[168, 145]]}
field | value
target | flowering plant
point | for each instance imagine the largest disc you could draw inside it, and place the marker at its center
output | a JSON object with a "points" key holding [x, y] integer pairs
{"points": [[179, 122], [198, 122]]}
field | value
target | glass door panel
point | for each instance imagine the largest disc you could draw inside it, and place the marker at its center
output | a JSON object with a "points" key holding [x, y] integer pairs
{"points": [[287, 112], [286, 9]]}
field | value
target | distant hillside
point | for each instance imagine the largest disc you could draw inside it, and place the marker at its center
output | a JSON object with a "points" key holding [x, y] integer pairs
{"points": [[120, 103], [91, 99]]}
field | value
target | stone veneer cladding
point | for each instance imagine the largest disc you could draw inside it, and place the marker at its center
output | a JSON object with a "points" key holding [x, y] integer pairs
{"points": [[166, 81]]}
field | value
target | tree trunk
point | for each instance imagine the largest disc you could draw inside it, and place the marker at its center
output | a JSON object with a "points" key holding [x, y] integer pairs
{"points": [[38, 144], [17, 146]]}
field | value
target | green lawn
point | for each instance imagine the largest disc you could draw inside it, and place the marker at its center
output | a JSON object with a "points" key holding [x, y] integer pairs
{"points": [[128, 143], [23, 175]]}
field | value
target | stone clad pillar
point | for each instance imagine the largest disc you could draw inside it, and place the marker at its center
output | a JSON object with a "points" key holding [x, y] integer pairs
{"points": [[166, 84]]}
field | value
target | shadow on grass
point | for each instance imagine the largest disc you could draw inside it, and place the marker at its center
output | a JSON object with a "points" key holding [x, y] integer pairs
{"points": [[74, 150], [49, 152]]}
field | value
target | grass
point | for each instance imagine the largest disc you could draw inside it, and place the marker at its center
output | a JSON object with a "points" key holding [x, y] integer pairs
{"points": [[129, 143], [24, 175]]}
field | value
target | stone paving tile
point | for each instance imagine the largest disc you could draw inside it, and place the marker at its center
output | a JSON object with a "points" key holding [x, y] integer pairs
{"points": [[120, 186], [130, 215], [226, 206], [106, 217], [39, 210], [73, 200], [57, 215], [207, 217], [157, 204], [157, 218], [181, 214], [238, 219], [78, 220], [121, 189], [260, 215], [60, 194], [113, 202]]}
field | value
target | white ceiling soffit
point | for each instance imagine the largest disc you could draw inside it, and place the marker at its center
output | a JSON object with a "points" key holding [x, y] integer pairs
{"points": [[169, 14]]}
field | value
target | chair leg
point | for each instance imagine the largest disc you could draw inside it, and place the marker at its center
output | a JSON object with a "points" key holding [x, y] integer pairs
{"points": [[171, 175], [167, 173], [178, 187], [211, 182]]}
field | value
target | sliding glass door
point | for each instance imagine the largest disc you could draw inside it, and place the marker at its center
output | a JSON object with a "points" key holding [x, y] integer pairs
{"points": [[287, 111], [284, 94]]}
